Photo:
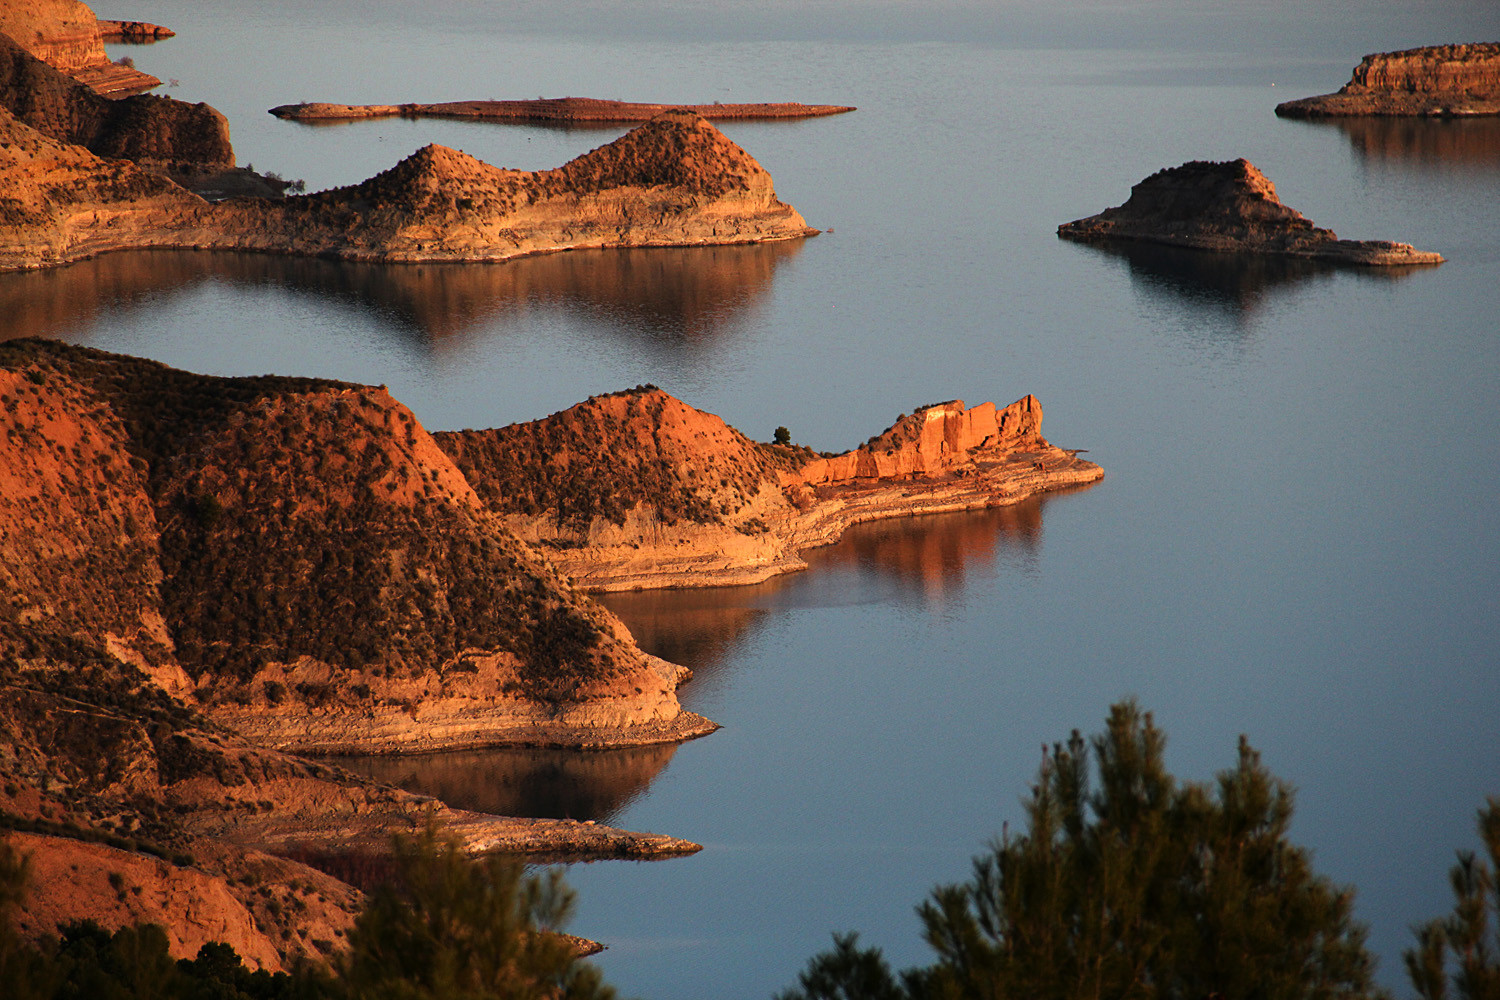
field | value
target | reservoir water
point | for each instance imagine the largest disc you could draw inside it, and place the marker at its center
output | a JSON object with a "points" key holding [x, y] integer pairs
{"points": [[1298, 536]]}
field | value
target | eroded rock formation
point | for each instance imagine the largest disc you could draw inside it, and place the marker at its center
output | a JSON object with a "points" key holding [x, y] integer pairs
{"points": [[1434, 81], [66, 35], [637, 489], [675, 181], [1229, 207], [157, 132]]}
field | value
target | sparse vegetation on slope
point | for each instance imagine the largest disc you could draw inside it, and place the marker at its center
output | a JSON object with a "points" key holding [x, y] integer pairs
{"points": [[604, 457]]}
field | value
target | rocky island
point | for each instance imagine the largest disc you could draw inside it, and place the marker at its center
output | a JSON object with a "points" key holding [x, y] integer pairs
{"points": [[1229, 207], [1436, 81], [674, 181], [556, 110]]}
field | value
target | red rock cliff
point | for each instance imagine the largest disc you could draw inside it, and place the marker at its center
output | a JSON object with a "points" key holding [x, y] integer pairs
{"points": [[1434, 81], [931, 441]]}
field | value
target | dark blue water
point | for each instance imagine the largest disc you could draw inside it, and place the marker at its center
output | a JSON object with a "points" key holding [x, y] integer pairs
{"points": [[1297, 536]]}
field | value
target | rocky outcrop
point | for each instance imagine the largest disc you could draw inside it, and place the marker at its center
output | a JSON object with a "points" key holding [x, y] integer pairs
{"points": [[675, 181], [300, 561], [562, 110], [1229, 207], [66, 35], [156, 132], [1440, 81], [638, 490]]}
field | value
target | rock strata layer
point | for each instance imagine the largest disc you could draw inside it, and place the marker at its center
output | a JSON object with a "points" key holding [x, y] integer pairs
{"points": [[563, 110], [154, 132], [675, 181], [684, 500], [66, 35], [1437, 81], [1229, 207]]}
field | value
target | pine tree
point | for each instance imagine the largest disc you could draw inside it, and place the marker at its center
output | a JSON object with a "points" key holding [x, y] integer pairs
{"points": [[1128, 885], [452, 928], [1464, 947]]}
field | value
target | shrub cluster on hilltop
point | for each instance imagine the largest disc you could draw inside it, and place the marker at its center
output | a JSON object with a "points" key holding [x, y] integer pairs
{"points": [[602, 458]]}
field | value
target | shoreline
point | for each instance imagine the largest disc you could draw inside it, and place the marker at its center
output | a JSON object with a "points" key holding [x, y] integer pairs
{"points": [[838, 509], [289, 734]]}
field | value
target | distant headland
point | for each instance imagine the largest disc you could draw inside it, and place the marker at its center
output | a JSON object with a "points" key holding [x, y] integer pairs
{"points": [[1436, 81], [560, 110], [1229, 207]]}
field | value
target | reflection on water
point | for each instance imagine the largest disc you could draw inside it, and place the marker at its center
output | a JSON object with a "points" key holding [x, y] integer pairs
{"points": [[1428, 143], [1238, 284], [923, 560], [689, 293], [524, 781]]}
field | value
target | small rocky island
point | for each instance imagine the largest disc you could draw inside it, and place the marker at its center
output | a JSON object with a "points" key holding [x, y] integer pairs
{"points": [[556, 110], [1229, 207], [1436, 81]]}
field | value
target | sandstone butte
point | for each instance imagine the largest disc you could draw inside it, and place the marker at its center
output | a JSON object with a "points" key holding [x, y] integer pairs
{"points": [[67, 35], [638, 490], [563, 110], [1436, 81], [674, 181], [1229, 207]]}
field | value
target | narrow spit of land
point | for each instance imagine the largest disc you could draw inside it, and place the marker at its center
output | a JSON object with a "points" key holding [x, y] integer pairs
{"points": [[565, 110]]}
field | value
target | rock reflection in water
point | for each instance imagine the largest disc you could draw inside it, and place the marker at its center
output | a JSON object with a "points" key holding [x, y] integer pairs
{"points": [[524, 781], [1427, 143], [1238, 284], [688, 293], [921, 559]]}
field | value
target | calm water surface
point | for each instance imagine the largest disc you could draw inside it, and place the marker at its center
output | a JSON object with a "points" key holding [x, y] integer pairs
{"points": [[1296, 539]]}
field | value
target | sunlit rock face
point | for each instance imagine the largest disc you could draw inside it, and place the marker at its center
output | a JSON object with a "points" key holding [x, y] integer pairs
{"points": [[298, 559], [1436, 81], [66, 35]]}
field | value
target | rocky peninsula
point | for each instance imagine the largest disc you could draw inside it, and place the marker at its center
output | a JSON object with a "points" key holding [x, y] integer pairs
{"points": [[205, 575], [197, 568], [1436, 81], [557, 110], [685, 500], [1229, 207]]}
